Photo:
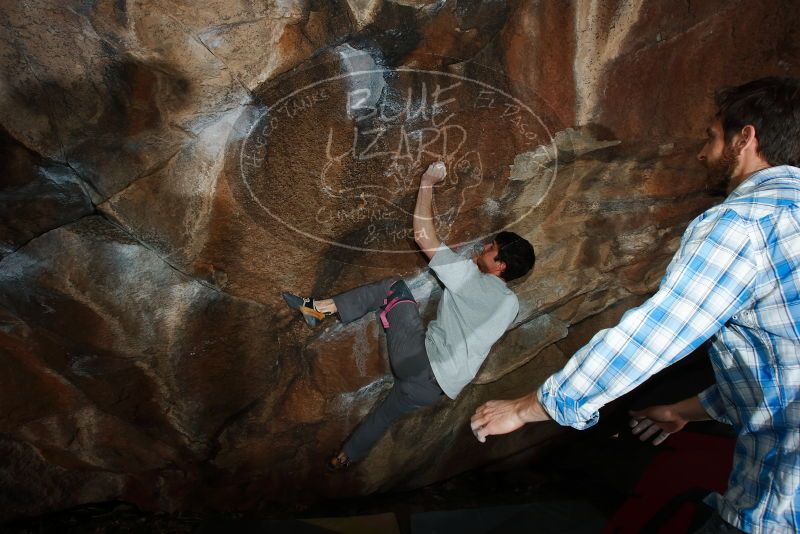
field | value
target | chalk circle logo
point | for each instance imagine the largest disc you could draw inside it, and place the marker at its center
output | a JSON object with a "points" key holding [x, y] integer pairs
{"points": [[339, 159]]}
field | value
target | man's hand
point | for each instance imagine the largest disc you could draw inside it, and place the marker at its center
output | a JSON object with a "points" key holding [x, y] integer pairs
{"points": [[504, 416], [659, 421], [436, 173]]}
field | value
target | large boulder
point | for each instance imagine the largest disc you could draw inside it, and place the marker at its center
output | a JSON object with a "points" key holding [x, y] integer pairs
{"points": [[170, 170]]}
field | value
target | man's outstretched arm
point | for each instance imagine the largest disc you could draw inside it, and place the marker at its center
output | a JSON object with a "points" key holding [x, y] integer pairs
{"points": [[424, 229], [504, 416]]}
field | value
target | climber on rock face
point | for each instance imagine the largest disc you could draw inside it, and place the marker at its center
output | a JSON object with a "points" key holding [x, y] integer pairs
{"points": [[475, 310], [735, 279]]}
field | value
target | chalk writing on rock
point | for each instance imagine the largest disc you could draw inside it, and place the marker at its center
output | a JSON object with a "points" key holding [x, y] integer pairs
{"points": [[339, 159]]}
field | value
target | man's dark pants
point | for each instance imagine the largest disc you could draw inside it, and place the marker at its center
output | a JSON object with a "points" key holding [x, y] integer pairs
{"points": [[414, 383]]}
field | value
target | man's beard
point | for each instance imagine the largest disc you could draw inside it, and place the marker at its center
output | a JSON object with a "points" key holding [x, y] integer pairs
{"points": [[721, 170]]}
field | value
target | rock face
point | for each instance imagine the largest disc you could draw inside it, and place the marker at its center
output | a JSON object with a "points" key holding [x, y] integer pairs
{"points": [[169, 170]]}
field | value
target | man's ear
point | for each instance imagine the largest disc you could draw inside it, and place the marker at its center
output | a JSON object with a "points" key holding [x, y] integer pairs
{"points": [[501, 267], [747, 139]]}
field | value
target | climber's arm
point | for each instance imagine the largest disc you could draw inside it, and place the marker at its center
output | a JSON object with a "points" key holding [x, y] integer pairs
{"points": [[424, 229]]}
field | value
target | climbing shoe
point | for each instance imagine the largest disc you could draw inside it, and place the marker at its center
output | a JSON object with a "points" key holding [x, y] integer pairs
{"points": [[306, 307], [338, 462]]}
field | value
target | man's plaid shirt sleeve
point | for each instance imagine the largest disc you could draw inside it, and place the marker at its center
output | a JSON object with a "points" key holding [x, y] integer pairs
{"points": [[710, 278], [712, 403]]}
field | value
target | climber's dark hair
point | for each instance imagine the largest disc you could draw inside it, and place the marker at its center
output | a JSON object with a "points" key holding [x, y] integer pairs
{"points": [[516, 252], [772, 106]]}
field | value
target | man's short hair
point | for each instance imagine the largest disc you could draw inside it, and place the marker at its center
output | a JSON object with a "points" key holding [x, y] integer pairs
{"points": [[772, 106], [516, 252]]}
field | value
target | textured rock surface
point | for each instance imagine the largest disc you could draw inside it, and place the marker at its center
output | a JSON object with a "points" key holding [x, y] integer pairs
{"points": [[169, 170]]}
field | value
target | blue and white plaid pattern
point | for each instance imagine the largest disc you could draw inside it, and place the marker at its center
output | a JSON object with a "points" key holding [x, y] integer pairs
{"points": [[736, 277]]}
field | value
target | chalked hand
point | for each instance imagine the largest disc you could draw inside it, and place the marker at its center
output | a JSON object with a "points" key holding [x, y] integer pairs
{"points": [[646, 428], [435, 173], [660, 421]]}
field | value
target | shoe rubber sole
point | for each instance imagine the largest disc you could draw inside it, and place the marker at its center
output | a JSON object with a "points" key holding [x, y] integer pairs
{"points": [[312, 317]]}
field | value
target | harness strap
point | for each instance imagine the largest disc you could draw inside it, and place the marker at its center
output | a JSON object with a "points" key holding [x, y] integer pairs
{"points": [[388, 305]]}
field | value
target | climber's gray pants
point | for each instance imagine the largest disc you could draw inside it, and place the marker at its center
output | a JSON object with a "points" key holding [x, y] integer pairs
{"points": [[414, 385]]}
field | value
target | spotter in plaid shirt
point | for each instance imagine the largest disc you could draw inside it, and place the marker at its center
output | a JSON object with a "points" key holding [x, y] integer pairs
{"points": [[736, 274], [736, 279]]}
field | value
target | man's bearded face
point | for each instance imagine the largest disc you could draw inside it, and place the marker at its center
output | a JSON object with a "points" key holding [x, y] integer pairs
{"points": [[718, 157], [720, 169]]}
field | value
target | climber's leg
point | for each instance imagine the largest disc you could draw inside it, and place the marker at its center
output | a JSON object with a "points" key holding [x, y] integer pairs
{"points": [[356, 303]]}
